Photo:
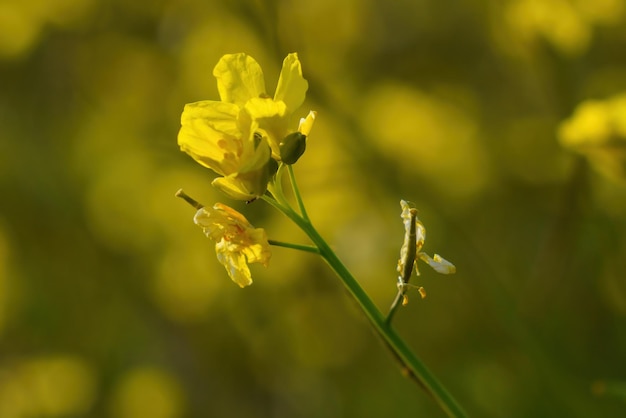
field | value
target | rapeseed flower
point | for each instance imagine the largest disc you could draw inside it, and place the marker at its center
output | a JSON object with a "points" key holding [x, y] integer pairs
{"points": [[221, 136], [237, 136], [240, 81], [238, 243]]}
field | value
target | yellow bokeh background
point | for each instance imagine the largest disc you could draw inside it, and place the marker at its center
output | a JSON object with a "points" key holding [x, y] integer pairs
{"points": [[503, 121]]}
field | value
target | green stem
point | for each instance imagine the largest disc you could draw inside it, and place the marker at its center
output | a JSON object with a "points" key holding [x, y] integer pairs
{"points": [[411, 365], [296, 193], [399, 348], [394, 306], [306, 248]]}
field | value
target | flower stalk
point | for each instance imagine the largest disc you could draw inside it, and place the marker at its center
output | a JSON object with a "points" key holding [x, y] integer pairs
{"points": [[411, 365], [248, 140], [305, 248]]}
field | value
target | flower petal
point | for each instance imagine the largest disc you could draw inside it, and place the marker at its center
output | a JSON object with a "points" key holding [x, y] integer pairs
{"points": [[259, 251], [235, 188], [210, 135], [291, 87], [306, 124], [273, 123], [260, 108], [438, 263], [235, 264], [239, 78], [252, 176]]}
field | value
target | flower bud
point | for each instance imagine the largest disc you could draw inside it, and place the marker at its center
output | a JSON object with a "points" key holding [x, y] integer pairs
{"points": [[292, 147]]}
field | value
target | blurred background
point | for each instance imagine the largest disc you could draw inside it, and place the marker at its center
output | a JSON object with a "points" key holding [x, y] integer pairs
{"points": [[504, 121]]}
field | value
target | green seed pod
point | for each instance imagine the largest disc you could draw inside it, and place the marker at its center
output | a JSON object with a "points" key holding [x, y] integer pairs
{"points": [[292, 147]]}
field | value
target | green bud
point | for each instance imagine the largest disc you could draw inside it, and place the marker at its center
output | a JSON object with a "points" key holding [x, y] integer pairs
{"points": [[292, 147]]}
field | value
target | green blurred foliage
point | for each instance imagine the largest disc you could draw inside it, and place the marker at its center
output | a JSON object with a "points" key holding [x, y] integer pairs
{"points": [[112, 303]]}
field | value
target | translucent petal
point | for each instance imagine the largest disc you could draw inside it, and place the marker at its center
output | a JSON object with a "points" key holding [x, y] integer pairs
{"points": [[273, 123], [234, 188], [235, 264], [439, 264], [205, 219], [239, 78], [265, 108], [259, 252], [210, 134], [238, 242], [291, 87], [221, 116], [306, 124]]}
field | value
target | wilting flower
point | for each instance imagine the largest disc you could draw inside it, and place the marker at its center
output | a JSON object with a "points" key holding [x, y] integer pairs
{"points": [[411, 251], [240, 82], [238, 243]]}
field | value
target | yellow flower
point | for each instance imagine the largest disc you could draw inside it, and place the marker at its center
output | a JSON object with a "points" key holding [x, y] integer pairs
{"points": [[237, 136], [238, 242], [240, 82], [221, 136], [597, 130], [411, 251]]}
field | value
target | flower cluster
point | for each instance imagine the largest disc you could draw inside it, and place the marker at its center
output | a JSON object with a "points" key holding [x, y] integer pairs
{"points": [[244, 136]]}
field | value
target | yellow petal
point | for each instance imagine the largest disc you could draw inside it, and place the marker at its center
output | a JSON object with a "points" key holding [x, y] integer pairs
{"points": [[221, 116], [220, 221], [252, 176], [306, 124], [272, 122], [255, 156], [235, 264], [230, 215], [234, 188], [239, 78], [205, 219], [260, 108], [210, 135], [291, 87], [259, 252]]}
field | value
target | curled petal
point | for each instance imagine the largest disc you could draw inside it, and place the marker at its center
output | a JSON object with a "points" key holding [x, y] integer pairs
{"points": [[306, 124], [438, 263], [234, 188], [235, 264], [420, 235]]}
